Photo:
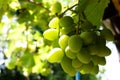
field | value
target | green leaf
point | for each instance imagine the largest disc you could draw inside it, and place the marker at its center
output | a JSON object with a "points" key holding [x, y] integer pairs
{"points": [[82, 6], [94, 11], [27, 60]]}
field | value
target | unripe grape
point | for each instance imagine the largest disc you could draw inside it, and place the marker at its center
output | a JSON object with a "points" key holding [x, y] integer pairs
{"points": [[66, 22], [66, 64], [63, 41], [86, 26], [66, 30], [55, 55], [87, 68], [93, 49], [75, 43], [107, 34], [76, 63], [54, 23], [104, 51], [95, 70], [56, 7], [51, 34], [98, 60], [84, 56], [88, 37], [69, 53]]}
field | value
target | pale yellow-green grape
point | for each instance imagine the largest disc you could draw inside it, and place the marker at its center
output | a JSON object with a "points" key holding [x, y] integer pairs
{"points": [[54, 23], [104, 51], [75, 43], [84, 56], [98, 60], [55, 55], [63, 41], [107, 34], [87, 68], [88, 37], [66, 64], [56, 8], [77, 64], [66, 22], [51, 34], [69, 53], [95, 70]]}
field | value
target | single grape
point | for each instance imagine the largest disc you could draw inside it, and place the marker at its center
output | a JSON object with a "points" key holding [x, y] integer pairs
{"points": [[87, 68], [75, 43], [104, 51], [95, 70], [54, 23], [98, 60], [76, 63], [51, 34], [63, 41], [69, 53], [55, 55], [88, 37], [56, 8], [66, 22], [86, 26], [107, 34], [66, 64], [66, 30], [84, 56]]}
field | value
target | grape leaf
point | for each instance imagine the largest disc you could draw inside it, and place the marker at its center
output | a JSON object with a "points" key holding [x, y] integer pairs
{"points": [[95, 10]]}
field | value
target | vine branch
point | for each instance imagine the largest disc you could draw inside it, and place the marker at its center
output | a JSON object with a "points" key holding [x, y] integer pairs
{"points": [[67, 10], [78, 24]]}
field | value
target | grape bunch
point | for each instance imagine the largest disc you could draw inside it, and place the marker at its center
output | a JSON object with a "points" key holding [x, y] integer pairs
{"points": [[80, 48]]}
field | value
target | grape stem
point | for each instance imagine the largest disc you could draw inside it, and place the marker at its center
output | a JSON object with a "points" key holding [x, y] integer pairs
{"points": [[78, 24], [67, 10]]}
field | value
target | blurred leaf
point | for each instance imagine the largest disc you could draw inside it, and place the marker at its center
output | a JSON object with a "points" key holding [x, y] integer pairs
{"points": [[27, 60], [94, 11]]}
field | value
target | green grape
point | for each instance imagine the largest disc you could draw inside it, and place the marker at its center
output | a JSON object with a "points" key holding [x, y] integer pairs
{"points": [[95, 70], [86, 26], [98, 60], [107, 34], [104, 51], [88, 37], [51, 34], [87, 68], [69, 53], [93, 49], [84, 56], [66, 30], [56, 8], [76, 63], [55, 55], [66, 64], [75, 43], [66, 22], [100, 41], [54, 23], [63, 41]]}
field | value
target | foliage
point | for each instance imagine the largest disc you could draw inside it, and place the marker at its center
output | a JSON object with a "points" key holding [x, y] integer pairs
{"points": [[30, 29]]}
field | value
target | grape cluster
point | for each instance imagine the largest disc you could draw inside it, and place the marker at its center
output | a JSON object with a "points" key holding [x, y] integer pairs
{"points": [[80, 48]]}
